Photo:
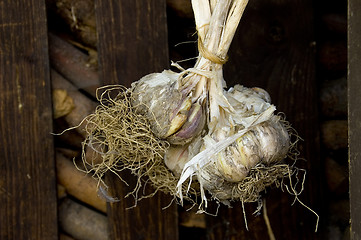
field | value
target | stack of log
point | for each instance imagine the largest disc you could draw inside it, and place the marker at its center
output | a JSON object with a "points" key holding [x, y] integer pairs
{"points": [[82, 212], [332, 73]]}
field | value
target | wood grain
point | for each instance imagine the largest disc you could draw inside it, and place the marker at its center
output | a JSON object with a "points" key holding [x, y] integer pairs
{"points": [[275, 50], [354, 114], [27, 173], [132, 42]]}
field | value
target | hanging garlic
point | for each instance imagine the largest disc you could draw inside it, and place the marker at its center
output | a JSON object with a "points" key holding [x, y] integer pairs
{"points": [[214, 137]]}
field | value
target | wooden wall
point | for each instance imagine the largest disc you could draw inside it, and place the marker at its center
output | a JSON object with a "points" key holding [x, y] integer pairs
{"points": [[28, 200], [273, 49]]}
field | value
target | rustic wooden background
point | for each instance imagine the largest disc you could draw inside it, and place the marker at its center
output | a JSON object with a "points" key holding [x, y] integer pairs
{"points": [[275, 48], [27, 175]]}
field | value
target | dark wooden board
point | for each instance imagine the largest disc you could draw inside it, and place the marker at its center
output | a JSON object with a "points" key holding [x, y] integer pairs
{"points": [[27, 178], [275, 49], [354, 114], [132, 42]]}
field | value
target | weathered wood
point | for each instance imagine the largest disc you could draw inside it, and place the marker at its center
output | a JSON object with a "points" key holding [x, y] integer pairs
{"points": [[275, 50], [354, 114], [132, 37], [81, 222], [27, 173]]}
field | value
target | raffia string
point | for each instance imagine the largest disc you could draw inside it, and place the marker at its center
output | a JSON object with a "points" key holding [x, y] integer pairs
{"points": [[204, 52]]}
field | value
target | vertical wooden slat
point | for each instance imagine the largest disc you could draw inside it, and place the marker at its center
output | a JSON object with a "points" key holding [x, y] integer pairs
{"points": [[27, 177], [275, 50], [354, 114], [132, 42]]}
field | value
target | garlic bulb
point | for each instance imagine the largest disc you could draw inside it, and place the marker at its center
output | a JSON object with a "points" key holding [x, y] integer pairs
{"points": [[190, 128], [246, 135], [172, 114]]}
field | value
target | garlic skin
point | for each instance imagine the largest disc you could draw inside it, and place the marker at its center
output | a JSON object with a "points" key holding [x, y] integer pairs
{"points": [[172, 114], [177, 156]]}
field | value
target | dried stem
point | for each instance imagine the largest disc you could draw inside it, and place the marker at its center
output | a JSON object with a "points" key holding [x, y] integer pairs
{"points": [[216, 22]]}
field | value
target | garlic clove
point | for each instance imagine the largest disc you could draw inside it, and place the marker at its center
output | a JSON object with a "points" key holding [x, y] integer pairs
{"points": [[176, 123], [191, 128], [274, 140], [229, 164], [175, 158]]}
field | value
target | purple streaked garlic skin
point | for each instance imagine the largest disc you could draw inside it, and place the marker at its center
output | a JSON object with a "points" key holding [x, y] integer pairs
{"points": [[191, 128]]}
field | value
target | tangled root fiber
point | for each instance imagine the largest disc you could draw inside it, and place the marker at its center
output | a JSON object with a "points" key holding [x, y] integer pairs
{"points": [[123, 139]]}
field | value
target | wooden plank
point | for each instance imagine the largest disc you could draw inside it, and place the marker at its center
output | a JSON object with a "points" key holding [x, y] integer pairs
{"points": [[132, 39], [27, 174], [354, 114], [132, 42], [275, 50]]}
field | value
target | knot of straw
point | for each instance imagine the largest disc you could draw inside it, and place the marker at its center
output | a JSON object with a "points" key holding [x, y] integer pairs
{"points": [[204, 52]]}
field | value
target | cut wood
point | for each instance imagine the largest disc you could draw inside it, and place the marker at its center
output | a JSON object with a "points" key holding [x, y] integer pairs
{"points": [[333, 98], [334, 134], [63, 104], [81, 222], [78, 184], [73, 64], [333, 56], [82, 105], [337, 178], [61, 191], [92, 155], [336, 23], [71, 139], [79, 16]]}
